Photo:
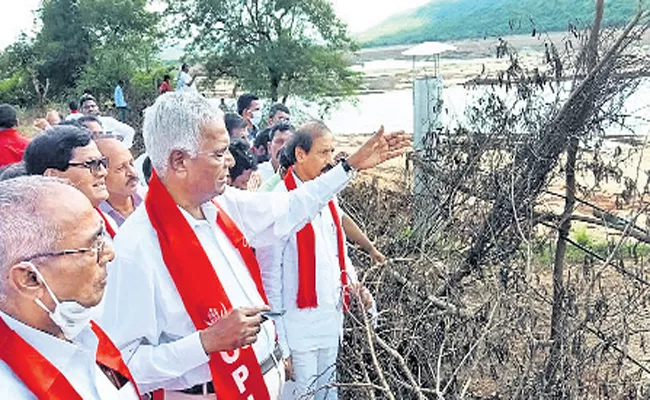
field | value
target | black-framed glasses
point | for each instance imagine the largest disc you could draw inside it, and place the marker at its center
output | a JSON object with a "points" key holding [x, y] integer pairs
{"points": [[97, 247], [93, 165]]}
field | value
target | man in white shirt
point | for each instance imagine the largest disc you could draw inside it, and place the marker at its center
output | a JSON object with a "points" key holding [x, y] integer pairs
{"points": [[309, 274], [185, 296], [111, 125], [53, 256], [185, 82], [279, 135]]}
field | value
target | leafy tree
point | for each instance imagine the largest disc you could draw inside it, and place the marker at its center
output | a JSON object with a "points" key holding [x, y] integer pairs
{"points": [[82, 44], [63, 44], [275, 48], [125, 38]]}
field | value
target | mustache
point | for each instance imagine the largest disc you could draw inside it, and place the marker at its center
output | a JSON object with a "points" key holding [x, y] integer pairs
{"points": [[131, 180], [328, 167]]}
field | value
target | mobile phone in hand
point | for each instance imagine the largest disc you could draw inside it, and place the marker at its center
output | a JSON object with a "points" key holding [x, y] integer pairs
{"points": [[272, 314]]}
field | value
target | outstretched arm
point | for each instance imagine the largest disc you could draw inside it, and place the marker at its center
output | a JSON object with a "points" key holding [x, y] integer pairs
{"points": [[266, 218]]}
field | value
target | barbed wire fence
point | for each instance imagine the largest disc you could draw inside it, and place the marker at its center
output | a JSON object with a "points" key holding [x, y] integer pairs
{"points": [[476, 300]]}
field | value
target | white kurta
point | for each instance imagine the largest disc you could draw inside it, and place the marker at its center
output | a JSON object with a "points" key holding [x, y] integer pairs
{"points": [[143, 311], [311, 328], [76, 361], [266, 170]]}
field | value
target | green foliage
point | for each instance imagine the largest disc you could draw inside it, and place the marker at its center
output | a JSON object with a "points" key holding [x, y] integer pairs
{"points": [[581, 236], [275, 48], [462, 19], [63, 44], [16, 67], [83, 44], [544, 255], [15, 90]]}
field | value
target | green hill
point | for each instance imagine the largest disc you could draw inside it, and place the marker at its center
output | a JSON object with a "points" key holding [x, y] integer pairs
{"points": [[466, 19]]}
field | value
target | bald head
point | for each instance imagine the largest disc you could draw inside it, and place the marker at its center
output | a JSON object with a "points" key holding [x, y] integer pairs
{"points": [[122, 177], [110, 146]]}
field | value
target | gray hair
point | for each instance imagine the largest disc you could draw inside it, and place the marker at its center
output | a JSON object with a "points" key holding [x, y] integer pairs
{"points": [[26, 229], [174, 122]]}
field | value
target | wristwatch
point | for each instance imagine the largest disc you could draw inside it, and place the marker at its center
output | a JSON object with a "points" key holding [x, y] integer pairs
{"points": [[352, 172]]}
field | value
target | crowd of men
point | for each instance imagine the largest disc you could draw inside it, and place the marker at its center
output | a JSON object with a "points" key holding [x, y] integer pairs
{"points": [[222, 272]]}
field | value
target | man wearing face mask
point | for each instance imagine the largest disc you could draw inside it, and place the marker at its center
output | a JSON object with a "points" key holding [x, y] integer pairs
{"points": [[249, 107], [49, 347], [69, 152]]}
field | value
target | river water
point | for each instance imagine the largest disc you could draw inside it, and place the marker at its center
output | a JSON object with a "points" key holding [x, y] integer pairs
{"points": [[394, 109]]}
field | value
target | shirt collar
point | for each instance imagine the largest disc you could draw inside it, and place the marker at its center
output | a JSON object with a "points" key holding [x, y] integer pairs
{"points": [[106, 207], [298, 181], [57, 351], [209, 211]]}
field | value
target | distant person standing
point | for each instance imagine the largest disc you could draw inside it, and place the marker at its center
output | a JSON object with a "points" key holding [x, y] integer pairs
{"points": [[120, 103], [74, 111], [223, 106], [12, 143], [111, 125], [249, 107], [165, 86], [185, 81]]}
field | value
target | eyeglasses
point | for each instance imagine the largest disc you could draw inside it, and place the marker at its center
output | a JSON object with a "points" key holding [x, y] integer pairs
{"points": [[216, 154], [93, 165], [98, 247]]}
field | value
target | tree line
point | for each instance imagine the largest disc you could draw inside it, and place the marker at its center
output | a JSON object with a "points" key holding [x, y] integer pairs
{"points": [[275, 48]]}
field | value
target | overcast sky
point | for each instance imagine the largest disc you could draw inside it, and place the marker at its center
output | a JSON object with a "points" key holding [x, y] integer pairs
{"points": [[358, 14]]}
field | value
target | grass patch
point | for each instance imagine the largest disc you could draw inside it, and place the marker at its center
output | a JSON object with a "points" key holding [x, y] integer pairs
{"points": [[544, 254]]}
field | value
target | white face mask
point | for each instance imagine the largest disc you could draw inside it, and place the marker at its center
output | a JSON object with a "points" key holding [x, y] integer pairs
{"points": [[70, 316], [257, 117]]}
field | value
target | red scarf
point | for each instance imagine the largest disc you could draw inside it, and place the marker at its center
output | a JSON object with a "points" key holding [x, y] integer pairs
{"points": [[236, 374], [109, 227], [306, 241], [41, 377]]}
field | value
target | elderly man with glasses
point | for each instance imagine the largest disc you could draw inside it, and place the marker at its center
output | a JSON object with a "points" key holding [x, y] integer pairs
{"points": [[53, 256], [69, 152], [185, 301]]}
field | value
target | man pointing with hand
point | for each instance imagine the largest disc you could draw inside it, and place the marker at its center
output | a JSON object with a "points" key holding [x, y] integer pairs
{"points": [[185, 292]]}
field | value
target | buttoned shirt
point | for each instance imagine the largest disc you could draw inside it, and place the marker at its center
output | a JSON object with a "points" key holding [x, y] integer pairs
{"points": [[143, 311], [309, 328], [119, 219], [75, 360]]}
